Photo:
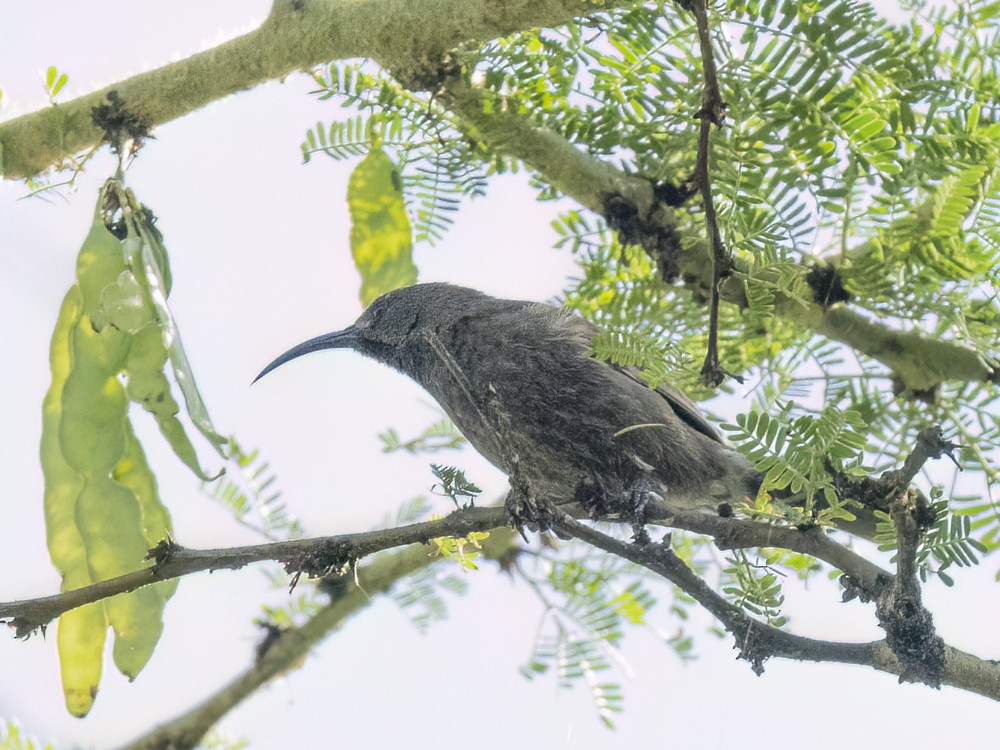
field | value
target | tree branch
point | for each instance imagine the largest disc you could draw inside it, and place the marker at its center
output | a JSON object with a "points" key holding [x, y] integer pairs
{"points": [[408, 37], [908, 624], [319, 556], [569, 169], [712, 113], [931, 443], [739, 533], [758, 642], [920, 361], [315, 557], [292, 645]]}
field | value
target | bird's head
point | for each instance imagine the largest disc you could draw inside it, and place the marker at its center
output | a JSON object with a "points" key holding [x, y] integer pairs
{"points": [[391, 322]]}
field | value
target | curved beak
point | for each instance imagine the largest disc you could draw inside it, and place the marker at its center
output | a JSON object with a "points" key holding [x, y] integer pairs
{"points": [[345, 339]]}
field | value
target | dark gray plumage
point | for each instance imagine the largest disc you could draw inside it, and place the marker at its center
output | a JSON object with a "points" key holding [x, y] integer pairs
{"points": [[518, 380]]}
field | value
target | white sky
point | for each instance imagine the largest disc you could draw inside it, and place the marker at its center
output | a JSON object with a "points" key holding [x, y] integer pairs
{"points": [[260, 262]]}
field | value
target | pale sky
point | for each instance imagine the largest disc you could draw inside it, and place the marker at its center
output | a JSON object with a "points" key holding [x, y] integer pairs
{"points": [[258, 247]]}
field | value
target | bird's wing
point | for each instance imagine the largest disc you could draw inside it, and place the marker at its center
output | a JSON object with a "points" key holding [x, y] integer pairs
{"points": [[683, 407]]}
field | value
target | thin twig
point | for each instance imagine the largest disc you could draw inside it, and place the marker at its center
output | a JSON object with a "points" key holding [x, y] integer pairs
{"points": [[293, 645], [713, 112], [756, 641], [320, 555], [931, 443], [315, 557], [740, 533]]}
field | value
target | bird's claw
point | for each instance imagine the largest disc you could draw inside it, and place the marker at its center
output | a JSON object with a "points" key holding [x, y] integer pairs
{"points": [[636, 501], [595, 498], [525, 511], [602, 499]]}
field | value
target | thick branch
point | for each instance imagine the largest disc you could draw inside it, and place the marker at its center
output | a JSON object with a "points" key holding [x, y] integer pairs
{"points": [[568, 168], [909, 626], [903, 511], [920, 361], [408, 37]]}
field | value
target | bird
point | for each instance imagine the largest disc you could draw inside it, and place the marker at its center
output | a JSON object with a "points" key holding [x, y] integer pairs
{"points": [[519, 379]]}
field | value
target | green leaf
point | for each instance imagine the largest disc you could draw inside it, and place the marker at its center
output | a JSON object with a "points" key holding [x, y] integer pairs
{"points": [[248, 491], [381, 240], [454, 483], [442, 435], [12, 738], [54, 81]]}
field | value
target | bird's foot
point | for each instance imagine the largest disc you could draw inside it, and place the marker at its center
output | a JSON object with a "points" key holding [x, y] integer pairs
{"points": [[636, 499], [525, 511], [604, 500], [597, 498]]}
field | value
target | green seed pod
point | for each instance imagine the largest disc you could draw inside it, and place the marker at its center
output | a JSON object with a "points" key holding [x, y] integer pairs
{"points": [[99, 263], [95, 408], [80, 640]]}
